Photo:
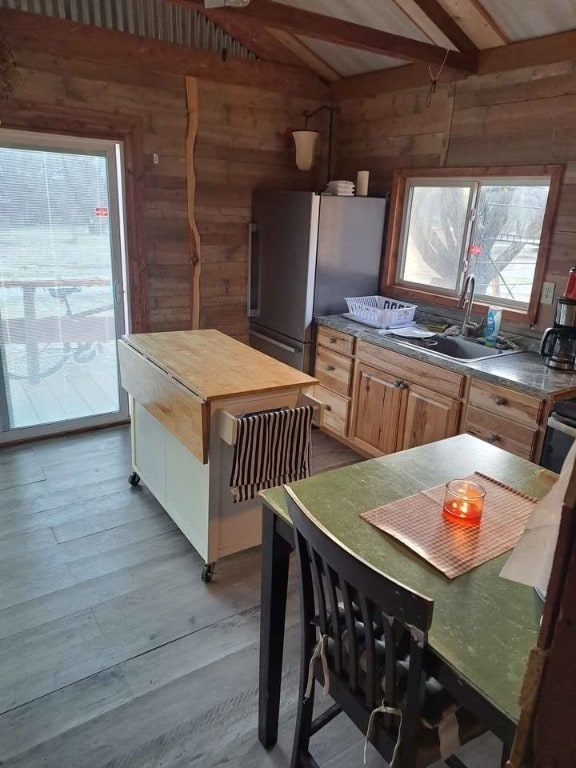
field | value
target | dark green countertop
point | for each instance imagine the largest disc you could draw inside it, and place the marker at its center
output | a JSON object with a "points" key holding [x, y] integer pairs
{"points": [[483, 626], [524, 371]]}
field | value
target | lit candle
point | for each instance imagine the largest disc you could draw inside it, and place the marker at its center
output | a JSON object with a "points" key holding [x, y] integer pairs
{"points": [[463, 502]]}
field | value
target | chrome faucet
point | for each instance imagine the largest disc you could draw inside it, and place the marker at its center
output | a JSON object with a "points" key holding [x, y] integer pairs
{"points": [[466, 302]]}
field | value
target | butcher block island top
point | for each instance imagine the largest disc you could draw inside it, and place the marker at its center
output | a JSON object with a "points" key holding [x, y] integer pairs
{"points": [[214, 365], [182, 377]]}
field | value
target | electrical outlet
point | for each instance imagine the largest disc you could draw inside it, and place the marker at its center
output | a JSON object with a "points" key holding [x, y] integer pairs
{"points": [[547, 295], [155, 158]]}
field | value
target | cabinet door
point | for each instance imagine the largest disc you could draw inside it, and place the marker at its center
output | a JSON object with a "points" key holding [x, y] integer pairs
{"points": [[429, 417], [378, 407]]}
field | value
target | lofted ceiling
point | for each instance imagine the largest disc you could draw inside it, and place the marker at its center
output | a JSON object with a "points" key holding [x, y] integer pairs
{"points": [[342, 38]]}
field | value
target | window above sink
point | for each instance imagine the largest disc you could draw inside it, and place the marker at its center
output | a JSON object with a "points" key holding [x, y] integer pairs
{"points": [[494, 223]]}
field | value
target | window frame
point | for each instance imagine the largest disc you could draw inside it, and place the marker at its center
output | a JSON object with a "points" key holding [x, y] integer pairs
{"points": [[398, 205]]}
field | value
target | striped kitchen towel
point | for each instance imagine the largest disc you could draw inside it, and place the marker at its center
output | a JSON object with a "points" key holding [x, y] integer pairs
{"points": [[272, 448]]}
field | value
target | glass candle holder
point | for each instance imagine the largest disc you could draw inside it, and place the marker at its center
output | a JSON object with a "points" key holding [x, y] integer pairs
{"points": [[463, 502]]}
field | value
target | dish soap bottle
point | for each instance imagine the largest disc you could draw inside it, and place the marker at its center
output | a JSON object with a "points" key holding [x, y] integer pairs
{"points": [[493, 319]]}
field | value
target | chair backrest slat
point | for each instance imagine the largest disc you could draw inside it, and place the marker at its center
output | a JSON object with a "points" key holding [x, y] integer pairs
{"points": [[332, 585], [316, 565], [350, 643], [367, 613]]}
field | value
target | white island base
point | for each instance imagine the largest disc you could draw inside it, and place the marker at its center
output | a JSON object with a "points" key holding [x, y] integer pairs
{"points": [[197, 496]]}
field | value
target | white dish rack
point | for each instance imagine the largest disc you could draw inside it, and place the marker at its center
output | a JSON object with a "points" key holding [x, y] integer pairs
{"points": [[381, 312]]}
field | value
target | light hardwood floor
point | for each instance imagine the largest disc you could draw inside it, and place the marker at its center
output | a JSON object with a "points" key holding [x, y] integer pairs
{"points": [[113, 653]]}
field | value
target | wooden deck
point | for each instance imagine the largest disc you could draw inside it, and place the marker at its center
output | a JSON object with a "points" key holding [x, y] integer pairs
{"points": [[113, 653], [85, 385]]}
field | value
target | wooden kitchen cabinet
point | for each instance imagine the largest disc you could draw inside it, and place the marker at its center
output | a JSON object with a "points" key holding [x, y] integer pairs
{"points": [[511, 420], [333, 369], [429, 417], [391, 412], [378, 406]]}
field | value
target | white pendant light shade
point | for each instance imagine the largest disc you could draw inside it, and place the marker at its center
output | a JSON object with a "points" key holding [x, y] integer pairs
{"points": [[305, 145]]}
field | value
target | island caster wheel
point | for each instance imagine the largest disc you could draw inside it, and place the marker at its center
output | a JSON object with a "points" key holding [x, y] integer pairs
{"points": [[134, 479], [207, 573]]}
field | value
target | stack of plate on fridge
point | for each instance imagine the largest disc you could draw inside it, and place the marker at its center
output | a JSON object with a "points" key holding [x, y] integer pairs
{"points": [[340, 187]]}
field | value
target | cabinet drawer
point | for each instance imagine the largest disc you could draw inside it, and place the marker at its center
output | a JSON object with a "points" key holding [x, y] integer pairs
{"points": [[333, 371], [509, 435], [438, 379], [335, 340], [335, 410], [521, 408]]}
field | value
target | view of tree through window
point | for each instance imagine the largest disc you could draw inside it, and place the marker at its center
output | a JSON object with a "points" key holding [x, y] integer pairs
{"points": [[491, 228]]}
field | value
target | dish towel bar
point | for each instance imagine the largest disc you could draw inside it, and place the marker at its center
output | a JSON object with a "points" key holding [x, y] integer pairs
{"points": [[271, 448]]}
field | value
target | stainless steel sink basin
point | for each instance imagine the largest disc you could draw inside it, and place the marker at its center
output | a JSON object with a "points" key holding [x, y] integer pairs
{"points": [[456, 348]]}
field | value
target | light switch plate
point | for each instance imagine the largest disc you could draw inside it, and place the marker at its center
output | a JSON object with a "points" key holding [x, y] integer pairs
{"points": [[547, 295]]}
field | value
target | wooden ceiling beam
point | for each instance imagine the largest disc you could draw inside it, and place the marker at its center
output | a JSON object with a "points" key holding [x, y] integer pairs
{"points": [[446, 24], [529, 53], [340, 32], [270, 44], [68, 39], [476, 22], [258, 40]]}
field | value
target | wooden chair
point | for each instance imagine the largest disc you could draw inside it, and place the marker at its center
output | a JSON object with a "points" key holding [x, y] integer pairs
{"points": [[364, 636]]}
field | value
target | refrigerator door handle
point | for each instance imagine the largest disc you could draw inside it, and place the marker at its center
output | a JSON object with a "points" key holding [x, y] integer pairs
{"points": [[253, 299], [273, 341]]}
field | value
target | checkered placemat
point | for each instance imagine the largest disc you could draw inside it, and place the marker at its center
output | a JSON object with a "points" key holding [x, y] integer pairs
{"points": [[417, 521]]}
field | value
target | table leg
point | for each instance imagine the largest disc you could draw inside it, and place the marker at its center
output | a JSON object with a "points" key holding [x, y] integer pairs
{"points": [[275, 562]]}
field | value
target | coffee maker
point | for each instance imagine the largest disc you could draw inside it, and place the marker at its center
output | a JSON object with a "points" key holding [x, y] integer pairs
{"points": [[558, 347]]}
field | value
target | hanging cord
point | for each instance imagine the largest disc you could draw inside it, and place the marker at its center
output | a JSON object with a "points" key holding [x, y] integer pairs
{"points": [[434, 79], [384, 710], [318, 652]]}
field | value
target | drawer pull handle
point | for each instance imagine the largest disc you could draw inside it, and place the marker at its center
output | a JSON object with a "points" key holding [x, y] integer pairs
{"points": [[499, 400], [397, 383], [327, 407], [330, 368], [402, 385], [492, 437], [332, 340]]}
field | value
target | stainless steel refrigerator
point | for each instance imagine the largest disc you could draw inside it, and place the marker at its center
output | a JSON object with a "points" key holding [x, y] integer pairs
{"points": [[308, 253]]}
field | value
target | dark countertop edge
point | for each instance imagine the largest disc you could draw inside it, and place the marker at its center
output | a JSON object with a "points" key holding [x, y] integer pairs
{"points": [[485, 370]]}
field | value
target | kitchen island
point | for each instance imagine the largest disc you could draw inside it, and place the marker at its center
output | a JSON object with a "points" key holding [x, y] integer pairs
{"points": [[186, 389]]}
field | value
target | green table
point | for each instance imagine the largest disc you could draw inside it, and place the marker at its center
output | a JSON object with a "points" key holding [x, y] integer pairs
{"points": [[483, 626]]}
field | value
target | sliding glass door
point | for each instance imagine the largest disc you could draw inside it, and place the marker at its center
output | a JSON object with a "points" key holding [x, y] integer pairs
{"points": [[62, 293]]}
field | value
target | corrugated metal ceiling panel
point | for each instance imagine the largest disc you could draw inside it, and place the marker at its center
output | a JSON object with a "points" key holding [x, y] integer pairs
{"points": [[527, 19], [148, 18], [386, 16], [377, 15], [349, 61]]}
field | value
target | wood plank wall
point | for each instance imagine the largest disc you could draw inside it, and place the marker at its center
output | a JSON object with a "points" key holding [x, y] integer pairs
{"points": [[159, 101], [519, 117], [243, 142]]}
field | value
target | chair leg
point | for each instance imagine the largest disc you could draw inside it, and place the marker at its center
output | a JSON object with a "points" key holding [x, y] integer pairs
{"points": [[505, 755], [302, 732], [305, 706]]}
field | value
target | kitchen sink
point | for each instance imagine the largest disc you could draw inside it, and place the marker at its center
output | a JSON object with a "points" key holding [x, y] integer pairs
{"points": [[456, 348]]}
